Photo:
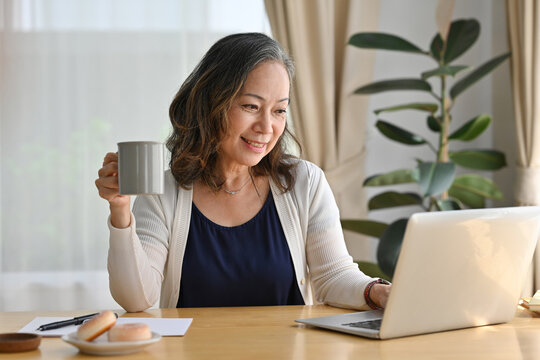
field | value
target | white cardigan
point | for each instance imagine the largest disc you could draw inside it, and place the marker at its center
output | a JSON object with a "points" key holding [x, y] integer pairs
{"points": [[145, 259]]}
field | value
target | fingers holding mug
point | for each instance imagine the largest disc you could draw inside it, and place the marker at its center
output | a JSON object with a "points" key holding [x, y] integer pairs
{"points": [[107, 181], [110, 157], [108, 174]]}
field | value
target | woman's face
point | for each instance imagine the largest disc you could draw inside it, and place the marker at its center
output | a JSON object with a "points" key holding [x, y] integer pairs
{"points": [[257, 117]]}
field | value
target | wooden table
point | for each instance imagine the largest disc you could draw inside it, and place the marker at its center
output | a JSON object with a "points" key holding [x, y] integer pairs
{"points": [[271, 333]]}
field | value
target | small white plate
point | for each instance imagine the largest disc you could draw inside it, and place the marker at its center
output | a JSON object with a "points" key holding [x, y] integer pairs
{"points": [[101, 346]]}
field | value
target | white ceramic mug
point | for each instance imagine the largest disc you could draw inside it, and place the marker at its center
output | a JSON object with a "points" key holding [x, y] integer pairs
{"points": [[140, 167]]}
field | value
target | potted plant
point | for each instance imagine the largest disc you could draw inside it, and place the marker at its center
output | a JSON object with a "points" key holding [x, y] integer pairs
{"points": [[439, 186]]}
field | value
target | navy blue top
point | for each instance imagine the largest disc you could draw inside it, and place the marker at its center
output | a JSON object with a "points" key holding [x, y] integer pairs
{"points": [[245, 265]]}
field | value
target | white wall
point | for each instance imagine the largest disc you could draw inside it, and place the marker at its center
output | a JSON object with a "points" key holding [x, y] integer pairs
{"points": [[415, 21]]}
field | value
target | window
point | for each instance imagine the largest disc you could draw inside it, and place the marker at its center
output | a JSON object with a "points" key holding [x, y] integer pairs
{"points": [[78, 77]]}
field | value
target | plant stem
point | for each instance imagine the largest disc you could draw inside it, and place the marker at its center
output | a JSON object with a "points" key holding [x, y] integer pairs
{"points": [[442, 155]]}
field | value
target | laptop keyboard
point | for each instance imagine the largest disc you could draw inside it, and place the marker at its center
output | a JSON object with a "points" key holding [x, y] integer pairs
{"points": [[370, 324]]}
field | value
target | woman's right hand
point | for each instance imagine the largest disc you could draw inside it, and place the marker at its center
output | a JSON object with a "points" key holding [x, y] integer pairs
{"points": [[107, 184]]}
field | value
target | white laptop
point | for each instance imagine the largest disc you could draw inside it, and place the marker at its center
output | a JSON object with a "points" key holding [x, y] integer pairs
{"points": [[456, 269]]}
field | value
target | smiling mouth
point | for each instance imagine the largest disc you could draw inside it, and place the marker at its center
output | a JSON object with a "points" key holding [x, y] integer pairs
{"points": [[254, 144]]}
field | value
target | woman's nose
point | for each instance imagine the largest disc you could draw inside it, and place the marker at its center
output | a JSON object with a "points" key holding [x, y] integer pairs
{"points": [[264, 123]]}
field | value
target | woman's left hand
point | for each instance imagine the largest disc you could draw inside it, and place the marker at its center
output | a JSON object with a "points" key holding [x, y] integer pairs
{"points": [[379, 294]]}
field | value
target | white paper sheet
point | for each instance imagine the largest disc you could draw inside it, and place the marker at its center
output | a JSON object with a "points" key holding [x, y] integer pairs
{"points": [[164, 327]]}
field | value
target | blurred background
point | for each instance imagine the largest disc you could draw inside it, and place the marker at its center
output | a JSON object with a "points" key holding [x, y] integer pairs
{"points": [[76, 78]]}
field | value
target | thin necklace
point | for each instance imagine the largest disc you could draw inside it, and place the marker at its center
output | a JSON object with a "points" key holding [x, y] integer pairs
{"points": [[237, 191]]}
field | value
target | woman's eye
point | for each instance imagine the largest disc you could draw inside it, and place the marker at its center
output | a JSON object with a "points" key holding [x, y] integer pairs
{"points": [[281, 111], [250, 107]]}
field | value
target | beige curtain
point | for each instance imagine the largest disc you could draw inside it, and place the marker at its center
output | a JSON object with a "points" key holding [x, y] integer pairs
{"points": [[523, 32], [329, 121]]}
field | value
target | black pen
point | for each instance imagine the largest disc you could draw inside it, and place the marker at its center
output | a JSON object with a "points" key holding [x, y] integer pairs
{"points": [[58, 324]]}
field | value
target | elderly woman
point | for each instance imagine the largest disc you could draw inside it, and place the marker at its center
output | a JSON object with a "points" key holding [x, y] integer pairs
{"points": [[241, 222]]}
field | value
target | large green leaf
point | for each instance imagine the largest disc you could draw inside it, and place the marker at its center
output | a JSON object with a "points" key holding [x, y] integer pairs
{"points": [[433, 124], [472, 129], [390, 199], [398, 134], [429, 107], [479, 159], [435, 178], [402, 176], [436, 48], [468, 198], [472, 190], [390, 246], [476, 75], [383, 41], [461, 36], [372, 269], [447, 70], [366, 227], [390, 85]]}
